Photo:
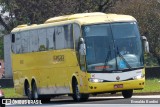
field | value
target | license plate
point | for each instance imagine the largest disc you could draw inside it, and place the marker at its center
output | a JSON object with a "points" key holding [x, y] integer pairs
{"points": [[118, 86]]}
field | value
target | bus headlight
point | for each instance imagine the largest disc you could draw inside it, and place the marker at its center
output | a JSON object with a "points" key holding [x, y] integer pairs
{"points": [[138, 76], [95, 80]]}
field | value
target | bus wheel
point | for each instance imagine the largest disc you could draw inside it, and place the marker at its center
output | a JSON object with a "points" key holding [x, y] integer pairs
{"points": [[27, 90], [127, 93], [77, 96], [35, 95], [29, 93]]}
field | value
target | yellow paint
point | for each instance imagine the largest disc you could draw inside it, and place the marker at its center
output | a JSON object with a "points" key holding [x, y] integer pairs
{"points": [[82, 19], [43, 67], [109, 86], [56, 68]]}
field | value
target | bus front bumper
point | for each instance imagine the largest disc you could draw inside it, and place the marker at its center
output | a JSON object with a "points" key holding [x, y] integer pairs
{"points": [[115, 86]]}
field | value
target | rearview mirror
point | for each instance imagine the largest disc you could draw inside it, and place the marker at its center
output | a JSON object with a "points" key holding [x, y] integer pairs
{"points": [[145, 44], [82, 48]]}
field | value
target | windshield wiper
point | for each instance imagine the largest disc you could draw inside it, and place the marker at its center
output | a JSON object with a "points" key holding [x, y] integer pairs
{"points": [[107, 58], [121, 56]]}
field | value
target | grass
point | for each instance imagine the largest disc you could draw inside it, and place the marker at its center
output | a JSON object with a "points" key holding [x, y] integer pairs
{"points": [[151, 86], [10, 93]]}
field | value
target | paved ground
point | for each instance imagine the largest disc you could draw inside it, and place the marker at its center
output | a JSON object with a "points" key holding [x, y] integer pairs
{"points": [[138, 101]]}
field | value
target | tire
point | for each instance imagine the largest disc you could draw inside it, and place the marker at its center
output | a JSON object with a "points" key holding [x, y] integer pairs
{"points": [[127, 93], [36, 96], [77, 96], [28, 92], [44, 100]]}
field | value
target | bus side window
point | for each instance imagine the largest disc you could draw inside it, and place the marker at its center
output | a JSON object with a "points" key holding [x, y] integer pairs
{"points": [[24, 36], [76, 34], [34, 44], [18, 43], [13, 38], [42, 39], [68, 36], [13, 43], [59, 37], [50, 38]]}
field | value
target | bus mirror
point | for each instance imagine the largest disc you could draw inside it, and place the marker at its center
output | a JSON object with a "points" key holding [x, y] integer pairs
{"points": [[13, 38], [82, 49], [145, 44]]}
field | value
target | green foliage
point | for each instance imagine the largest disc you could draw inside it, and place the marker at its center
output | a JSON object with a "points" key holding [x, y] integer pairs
{"points": [[10, 93], [150, 60], [42, 48], [151, 86], [37, 11]]}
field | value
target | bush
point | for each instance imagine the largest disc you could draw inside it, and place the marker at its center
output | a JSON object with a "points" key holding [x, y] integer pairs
{"points": [[150, 60]]}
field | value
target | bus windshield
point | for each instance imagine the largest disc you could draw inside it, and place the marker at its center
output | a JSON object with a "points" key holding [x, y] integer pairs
{"points": [[114, 46]]}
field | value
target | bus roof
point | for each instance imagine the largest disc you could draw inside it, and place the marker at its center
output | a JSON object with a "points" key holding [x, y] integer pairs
{"points": [[81, 18]]}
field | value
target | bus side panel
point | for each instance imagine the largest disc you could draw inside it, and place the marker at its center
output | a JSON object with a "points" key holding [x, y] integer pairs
{"points": [[50, 69]]}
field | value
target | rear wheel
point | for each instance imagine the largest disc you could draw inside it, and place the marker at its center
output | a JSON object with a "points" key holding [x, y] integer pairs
{"points": [[27, 91], [36, 96], [77, 96], [127, 93]]}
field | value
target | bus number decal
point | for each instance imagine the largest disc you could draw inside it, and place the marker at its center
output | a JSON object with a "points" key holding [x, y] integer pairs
{"points": [[58, 58]]}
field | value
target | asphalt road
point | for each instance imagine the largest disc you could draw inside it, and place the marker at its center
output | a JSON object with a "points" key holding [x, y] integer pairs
{"points": [[135, 101]]}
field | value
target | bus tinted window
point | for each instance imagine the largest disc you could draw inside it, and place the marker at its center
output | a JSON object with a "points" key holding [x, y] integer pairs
{"points": [[68, 36], [42, 39], [16, 46], [77, 34], [50, 38], [60, 37], [24, 42], [63, 37], [34, 45]]}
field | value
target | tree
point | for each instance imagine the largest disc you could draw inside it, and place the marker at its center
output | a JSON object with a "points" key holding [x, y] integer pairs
{"points": [[37, 11], [147, 13]]}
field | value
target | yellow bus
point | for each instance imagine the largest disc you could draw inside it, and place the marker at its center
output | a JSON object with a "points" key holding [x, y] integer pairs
{"points": [[78, 55]]}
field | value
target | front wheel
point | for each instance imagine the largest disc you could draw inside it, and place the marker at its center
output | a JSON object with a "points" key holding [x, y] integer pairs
{"points": [[77, 96], [127, 93]]}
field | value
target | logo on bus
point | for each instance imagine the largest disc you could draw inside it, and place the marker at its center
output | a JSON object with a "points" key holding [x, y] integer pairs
{"points": [[58, 58], [117, 78]]}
